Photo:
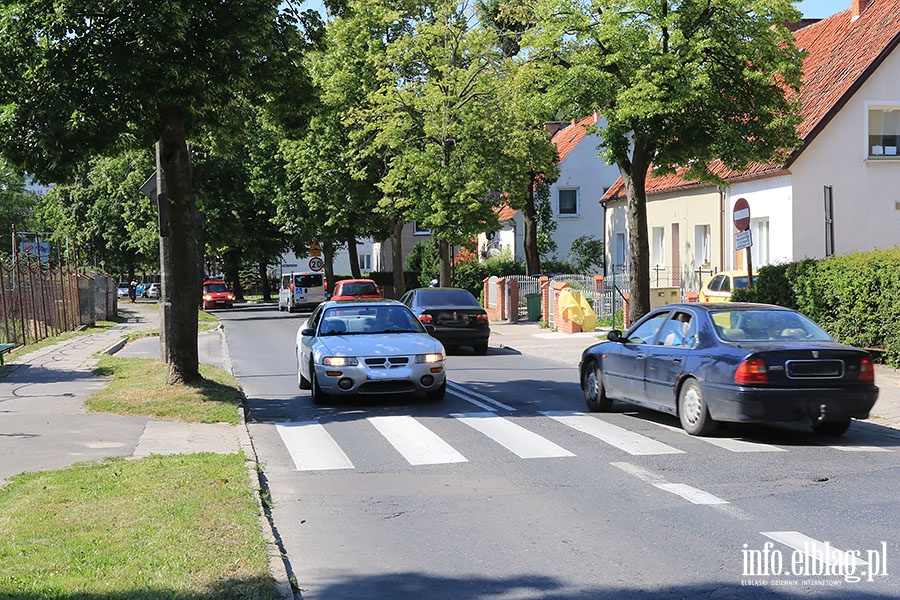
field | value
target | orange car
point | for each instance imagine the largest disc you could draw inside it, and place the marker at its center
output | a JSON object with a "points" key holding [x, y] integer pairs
{"points": [[217, 294], [355, 289]]}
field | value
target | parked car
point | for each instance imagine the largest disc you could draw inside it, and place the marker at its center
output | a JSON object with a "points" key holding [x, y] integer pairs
{"points": [[457, 317], [152, 291], [355, 289], [368, 347], [737, 362], [123, 289], [217, 294], [718, 287]]}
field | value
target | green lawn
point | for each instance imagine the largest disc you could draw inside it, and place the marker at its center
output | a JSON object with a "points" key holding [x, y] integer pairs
{"points": [[175, 527], [138, 387]]}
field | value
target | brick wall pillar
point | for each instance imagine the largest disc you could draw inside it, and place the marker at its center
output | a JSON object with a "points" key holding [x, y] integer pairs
{"points": [[544, 282], [513, 310], [626, 320], [501, 298], [563, 324]]}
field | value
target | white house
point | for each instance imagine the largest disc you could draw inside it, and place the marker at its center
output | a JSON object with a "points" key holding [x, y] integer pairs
{"points": [[838, 192], [574, 197]]}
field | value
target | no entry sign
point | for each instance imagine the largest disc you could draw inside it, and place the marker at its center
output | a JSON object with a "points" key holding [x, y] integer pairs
{"points": [[742, 214]]}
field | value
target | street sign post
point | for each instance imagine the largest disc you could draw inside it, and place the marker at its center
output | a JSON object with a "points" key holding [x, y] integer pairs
{"points": [[743, 240]]}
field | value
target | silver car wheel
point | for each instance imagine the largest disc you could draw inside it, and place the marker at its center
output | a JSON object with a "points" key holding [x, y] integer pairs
{"points": [[692, 410]]}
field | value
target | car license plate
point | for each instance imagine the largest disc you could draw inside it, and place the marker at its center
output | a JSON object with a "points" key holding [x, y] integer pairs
{"points": [[386, 374]]}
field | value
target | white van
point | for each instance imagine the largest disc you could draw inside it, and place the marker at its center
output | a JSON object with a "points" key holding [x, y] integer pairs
{"points": [[301, 289]]}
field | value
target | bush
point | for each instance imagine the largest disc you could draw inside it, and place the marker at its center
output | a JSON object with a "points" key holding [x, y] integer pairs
{"points": [[855, 297]]}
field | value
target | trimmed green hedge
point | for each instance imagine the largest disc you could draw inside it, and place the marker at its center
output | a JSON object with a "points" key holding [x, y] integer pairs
{"points": [[855, 297]]}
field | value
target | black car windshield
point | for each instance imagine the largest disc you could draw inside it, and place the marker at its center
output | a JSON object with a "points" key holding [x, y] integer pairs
{"points": [[352, 320], [447, 298], [362, 288], [763, 325], [307, 281], [213, 288]]}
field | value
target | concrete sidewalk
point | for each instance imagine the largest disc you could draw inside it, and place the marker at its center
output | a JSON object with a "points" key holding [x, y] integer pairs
{"points": [[42, 393], [531, 338]]}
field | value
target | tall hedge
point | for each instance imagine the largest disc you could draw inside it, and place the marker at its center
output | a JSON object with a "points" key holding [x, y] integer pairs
{"points": [[855, 297]]}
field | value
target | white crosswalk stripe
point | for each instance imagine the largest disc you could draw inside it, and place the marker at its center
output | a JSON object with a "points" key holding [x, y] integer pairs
{"points": [[730, 444], [311, 448], [418, 444], [623, 439], [516, 439], [476, 398]]}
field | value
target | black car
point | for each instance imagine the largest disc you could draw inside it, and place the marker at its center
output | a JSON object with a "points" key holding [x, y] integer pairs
{"points": [[734, 362], [457, 317]]}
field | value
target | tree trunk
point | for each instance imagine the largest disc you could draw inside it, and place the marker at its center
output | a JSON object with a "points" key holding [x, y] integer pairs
{"points": [[397, 260], [263, 270], [328, 251], [529, 218], [179, 223], [233, 273], [634, 176], [354, 256], [445, 273]]}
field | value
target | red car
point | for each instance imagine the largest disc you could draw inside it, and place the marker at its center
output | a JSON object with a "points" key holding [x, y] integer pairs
{"points": [[355, 289], [217, 294]]}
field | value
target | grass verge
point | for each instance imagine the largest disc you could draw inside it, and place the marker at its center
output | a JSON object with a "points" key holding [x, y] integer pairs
{"points": [[177, 527], [139, 387]]}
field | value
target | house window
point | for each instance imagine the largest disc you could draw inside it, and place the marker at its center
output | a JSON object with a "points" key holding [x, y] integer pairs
{"points": [[619, 264], [701, 246], [568, 202], [759, 229], [417, 230], [883, 131], [658, 250], [365, 262]]}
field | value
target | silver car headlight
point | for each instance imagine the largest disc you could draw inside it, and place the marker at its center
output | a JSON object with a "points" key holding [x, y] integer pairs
{"points": [[340, 361], [429, 358]]}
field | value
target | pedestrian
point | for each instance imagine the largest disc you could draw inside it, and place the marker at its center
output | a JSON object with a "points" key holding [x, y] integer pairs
{"points": [[132, 291]]}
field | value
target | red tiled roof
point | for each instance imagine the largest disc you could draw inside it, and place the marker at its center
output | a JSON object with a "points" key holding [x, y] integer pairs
{"points": [[505, 213], [571, 135], [842, 53]]}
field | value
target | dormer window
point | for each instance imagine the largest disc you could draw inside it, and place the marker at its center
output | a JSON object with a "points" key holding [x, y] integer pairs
{"points": [[883, 124]]}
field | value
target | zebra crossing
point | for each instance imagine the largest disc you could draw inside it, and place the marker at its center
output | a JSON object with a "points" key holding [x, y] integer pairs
{"points": [[312, 447]]}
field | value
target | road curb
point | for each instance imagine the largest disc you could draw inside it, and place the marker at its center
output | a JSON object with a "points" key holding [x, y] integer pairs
{"points": [[278, 560]]}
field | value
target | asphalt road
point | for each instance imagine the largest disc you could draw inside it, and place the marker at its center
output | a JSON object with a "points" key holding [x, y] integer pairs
{"points": [[507, 489]]}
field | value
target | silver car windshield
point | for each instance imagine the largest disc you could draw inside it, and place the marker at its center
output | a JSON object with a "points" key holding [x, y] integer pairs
{"points": [[353, 320]]}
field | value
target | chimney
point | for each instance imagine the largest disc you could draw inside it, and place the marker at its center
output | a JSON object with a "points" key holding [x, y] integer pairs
{"points": [[857, 7], [552, 127]]}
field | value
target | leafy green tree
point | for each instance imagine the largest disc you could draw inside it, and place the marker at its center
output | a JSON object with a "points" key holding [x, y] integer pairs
{"points": [[81, 78], [16, 204], [112, 224], [680, 84], [437, 112], [238, 179], [586, 255]]}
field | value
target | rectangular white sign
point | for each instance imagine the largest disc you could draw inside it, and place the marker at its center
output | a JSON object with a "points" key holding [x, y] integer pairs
{"points": [[742, 240]]}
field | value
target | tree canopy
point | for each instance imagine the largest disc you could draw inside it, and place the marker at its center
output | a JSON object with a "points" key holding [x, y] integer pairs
{"points": [[84, 78], [679, 85]]}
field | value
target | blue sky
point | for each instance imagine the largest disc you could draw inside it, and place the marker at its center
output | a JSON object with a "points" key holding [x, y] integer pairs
{"points": [[812, 9], [819, 9]]}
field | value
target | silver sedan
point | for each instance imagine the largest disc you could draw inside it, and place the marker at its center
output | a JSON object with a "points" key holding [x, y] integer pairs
{"points": [[370, 347]]}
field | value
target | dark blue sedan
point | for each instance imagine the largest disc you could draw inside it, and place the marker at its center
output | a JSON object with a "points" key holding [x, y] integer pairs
{"points": [[731, 362]]}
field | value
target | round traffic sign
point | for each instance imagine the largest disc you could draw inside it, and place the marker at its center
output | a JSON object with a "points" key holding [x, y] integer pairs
{"points": [[316, 264], [742, 214]]}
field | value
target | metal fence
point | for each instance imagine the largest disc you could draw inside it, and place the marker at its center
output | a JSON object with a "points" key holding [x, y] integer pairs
{"points": [[609, 299], [36, 301]]}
